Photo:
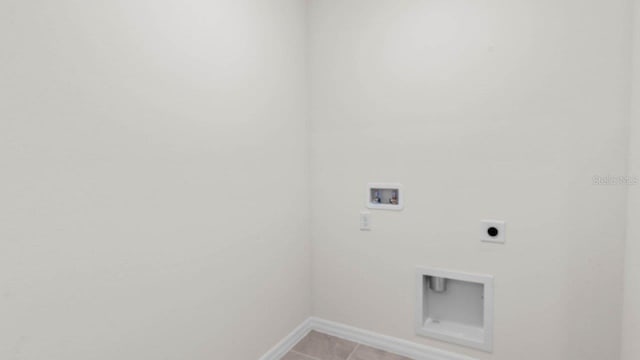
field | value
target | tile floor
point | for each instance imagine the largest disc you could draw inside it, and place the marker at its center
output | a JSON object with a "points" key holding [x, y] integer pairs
{"points": [[318, 346]]}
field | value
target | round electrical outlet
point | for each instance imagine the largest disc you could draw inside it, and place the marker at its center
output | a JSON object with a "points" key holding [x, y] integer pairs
{"points": [[492, 231]]}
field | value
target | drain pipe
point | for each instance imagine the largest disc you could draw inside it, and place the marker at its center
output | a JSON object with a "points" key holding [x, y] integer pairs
{"points": [[438, 284]]}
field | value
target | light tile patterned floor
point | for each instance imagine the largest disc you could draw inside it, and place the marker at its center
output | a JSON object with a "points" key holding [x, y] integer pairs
{"points": [[318, 346]]}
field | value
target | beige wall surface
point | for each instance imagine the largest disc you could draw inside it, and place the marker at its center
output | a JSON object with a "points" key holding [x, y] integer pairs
{"points": [[631, 318], [481, 109], [153, 161]]}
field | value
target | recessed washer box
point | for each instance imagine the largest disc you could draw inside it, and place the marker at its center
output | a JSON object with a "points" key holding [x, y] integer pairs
{"points": [[385, 196], [455, 307]]}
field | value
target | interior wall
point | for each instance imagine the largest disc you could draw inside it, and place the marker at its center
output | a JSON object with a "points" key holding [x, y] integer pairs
{"points": [[492, 109], [153, 161], [631, 318]]}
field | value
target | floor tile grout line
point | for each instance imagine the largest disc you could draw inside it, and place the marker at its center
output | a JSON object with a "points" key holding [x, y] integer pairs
{"points": [[305, 355], [353, 352]]}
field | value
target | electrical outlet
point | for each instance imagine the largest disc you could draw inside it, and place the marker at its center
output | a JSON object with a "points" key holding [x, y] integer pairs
{"points": [[492, 231]]}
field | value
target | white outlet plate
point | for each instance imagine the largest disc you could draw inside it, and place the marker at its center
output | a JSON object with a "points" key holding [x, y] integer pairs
{"points": [[500, 225], [365, 221]]}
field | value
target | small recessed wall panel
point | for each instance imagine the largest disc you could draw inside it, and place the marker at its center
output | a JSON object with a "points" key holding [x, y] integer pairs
{"points": [[455, 307], [385, 196]]}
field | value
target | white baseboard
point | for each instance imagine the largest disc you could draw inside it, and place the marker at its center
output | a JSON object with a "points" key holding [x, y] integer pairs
{"points": [[283, 347], [379, 341]]}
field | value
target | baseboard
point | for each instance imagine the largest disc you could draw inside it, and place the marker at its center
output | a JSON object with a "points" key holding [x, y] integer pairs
{"points": [[379, 341], [283, 347]]}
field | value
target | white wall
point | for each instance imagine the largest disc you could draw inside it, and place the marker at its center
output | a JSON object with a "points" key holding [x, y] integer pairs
{"points": [[631, 315], [141, 146], [140, 143], [482, 109]]}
